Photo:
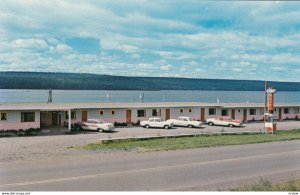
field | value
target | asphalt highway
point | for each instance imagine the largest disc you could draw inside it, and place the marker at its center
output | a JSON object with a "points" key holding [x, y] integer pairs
{"points": [[195, 169]]}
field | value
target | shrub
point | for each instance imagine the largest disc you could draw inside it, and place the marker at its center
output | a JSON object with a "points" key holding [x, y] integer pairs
{"points": [[120, 124], [32, 131]]}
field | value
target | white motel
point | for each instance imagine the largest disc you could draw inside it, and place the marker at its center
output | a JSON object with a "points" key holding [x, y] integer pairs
{"points": [[46, 115]]}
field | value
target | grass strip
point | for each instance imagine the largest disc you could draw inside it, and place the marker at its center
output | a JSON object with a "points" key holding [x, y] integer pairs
{"points": [[175, 143], [266, 185]]}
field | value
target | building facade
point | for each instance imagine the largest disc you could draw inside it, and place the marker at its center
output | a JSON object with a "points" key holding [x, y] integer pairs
{"points": [[46, 115]]}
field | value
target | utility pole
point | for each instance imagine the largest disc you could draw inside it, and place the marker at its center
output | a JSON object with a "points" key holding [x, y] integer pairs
{"points": [[265, 108], [50, 96]]}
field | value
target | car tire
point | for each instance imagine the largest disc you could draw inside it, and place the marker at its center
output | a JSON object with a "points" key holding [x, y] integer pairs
{"points": [[147, 126], [78, 128], [190, 126], [210, 123], [166, 127], [230, 125]]}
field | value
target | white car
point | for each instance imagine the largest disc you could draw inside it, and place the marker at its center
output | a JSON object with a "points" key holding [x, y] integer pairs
{"points": [[95, 124], [224, 122], [184, 121], [156, 122]]}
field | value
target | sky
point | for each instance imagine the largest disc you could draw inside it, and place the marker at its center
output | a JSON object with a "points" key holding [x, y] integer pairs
{"points": [[165, 38]]}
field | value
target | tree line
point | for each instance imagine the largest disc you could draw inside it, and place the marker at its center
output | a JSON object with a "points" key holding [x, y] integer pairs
{"points": [[84, 81]]}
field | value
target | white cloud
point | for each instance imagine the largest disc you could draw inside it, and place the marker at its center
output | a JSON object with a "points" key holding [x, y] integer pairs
{"points": [[63, 48], [35, 44]]}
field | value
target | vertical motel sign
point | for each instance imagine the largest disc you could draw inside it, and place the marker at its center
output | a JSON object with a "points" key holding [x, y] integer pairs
{"points": [[270, 124]]}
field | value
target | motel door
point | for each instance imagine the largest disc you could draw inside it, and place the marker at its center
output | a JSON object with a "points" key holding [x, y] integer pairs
{"points": [[279, 115], [84, 116], [168, 114], [245, 115], [202, 114], [233, 113], [55, 118], [128, 117]]}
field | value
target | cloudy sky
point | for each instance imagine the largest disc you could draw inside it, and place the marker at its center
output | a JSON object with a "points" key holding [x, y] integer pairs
{"points": [[174, 38]]}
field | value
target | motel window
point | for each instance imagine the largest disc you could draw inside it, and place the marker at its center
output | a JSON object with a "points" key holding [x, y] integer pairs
{"points": [[3, 116], [141, 113], [181, 110], [252, 111], [101, 112], [73, 115], [212, 111], [190, 110], [27, 116], [296, 110], [224, 112], [113, 112], [286, 110], [156, 112]]}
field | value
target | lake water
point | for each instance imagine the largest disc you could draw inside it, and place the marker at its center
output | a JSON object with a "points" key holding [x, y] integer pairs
{"points": [[149, 96]]}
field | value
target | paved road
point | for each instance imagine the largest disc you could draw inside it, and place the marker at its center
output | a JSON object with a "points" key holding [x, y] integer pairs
{"points": [[197, 169]]}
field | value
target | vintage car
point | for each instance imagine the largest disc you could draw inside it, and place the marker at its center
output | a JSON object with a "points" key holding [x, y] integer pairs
{"points": [[184, 121], [224, 122], [95, 125], [156, 122]]}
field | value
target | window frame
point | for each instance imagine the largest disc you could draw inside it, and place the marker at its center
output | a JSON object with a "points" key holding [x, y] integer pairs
{"points": [[102, 112], [226, 112], [214, 111], [140, 115], [286, 109], [113, 112], [6, 116], [23, 117], [252, 113]]}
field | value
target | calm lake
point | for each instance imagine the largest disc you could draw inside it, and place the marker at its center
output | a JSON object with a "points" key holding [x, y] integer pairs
{"points": [[149, 96]]}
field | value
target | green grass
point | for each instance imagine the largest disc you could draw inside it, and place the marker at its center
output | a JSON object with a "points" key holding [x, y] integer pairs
{"points": [[266, 185], [191, 142]]}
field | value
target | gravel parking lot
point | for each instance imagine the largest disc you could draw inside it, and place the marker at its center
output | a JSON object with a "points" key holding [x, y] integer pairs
{"points": [[41, 147]]}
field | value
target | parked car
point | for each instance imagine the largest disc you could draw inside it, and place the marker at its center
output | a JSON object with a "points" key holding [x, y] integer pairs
{"points": [[156, 122], [184, 121], [95, 124], [224, 122]]}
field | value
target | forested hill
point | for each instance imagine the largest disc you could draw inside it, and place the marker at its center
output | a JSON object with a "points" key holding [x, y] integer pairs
{"points": [[42, 80]]}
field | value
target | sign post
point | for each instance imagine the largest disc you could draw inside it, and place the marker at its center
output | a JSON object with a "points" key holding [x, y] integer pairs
{"points": [[270, 122]]}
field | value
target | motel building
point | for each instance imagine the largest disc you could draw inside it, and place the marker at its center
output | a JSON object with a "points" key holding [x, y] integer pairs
{"points": [[16, 116]]}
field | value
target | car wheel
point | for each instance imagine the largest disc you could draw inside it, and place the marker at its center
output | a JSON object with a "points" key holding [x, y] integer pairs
{"points": [[230, 125], [210, 124], [78, 128], [190, 126], [99, 130], [147, 126], [166, 127]]}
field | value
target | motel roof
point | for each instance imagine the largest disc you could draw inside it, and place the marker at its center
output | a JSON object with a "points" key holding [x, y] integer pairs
{"points": [[67, 106]]}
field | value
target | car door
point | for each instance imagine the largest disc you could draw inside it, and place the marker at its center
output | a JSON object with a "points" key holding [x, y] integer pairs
{"points": [[219, 121], [151, 123], [178, 122], [93, 125], [157, 123], [185, 122]]}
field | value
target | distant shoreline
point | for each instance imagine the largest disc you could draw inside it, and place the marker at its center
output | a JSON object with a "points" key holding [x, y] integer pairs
{"points": [[85, 81]]}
